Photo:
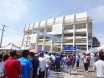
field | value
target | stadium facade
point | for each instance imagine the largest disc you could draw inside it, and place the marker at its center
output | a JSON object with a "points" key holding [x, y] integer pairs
{"points": [[74, 30]]}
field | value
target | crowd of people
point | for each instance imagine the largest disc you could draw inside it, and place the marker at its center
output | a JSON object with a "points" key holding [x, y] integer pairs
{"points": [[29, 65]]}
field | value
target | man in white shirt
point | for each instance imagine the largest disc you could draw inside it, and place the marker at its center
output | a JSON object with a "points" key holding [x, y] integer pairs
{"points": [[42, 64], [99, 65], [1, 66]]}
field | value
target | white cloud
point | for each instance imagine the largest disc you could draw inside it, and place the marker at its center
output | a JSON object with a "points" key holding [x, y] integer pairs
{"points": [[12, 10], [97, 13]]}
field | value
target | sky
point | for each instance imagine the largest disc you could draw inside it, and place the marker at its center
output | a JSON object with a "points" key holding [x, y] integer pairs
{"points": [[15, 14]]}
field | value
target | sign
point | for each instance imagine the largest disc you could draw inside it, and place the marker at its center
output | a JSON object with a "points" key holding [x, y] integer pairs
{"points": [[69, 48], [33, 38], [57, 29]]}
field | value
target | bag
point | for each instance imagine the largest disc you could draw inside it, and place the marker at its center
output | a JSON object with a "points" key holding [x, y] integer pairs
{"points": [[51, 65], [88, 59]]}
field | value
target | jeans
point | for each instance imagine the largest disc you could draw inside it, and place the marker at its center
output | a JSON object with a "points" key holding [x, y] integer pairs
{"points": [[50, 73], [77, 64], [63, 63], [41, 74], [58, 67], [68, 69], [86, 66], [46, 75]]}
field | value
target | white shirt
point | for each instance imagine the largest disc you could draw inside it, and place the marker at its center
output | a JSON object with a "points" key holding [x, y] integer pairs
{"points": [[2, 65], [47, 59], [1, 68], [99, 68], [53, 57], [42, 63], [46, 55]]}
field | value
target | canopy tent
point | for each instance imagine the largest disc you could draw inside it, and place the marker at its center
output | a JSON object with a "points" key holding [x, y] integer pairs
{"points": [[80, 51], [92, 50], [23, 48], [100, 48], [10, 46]]}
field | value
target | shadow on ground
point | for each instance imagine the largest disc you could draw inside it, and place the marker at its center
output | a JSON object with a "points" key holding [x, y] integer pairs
{"points": [[59, 75], [75, 74]]}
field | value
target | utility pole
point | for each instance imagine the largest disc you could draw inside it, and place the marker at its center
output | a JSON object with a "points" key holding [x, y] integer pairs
{"points": [[2, 34]]}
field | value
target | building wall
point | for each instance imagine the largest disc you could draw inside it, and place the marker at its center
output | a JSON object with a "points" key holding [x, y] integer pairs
{"points": [[77, 30]]}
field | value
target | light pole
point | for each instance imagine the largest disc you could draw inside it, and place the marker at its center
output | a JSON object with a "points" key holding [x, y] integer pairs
{"points": [[2, 34]]}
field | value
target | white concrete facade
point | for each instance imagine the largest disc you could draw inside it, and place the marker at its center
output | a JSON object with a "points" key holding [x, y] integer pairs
{"points": [[76, 30]]}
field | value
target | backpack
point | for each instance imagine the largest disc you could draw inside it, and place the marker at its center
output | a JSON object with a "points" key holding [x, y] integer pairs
{"points": [[88, 59]]}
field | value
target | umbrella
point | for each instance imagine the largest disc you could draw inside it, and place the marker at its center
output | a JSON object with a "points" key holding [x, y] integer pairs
{"points": [[40, 50], [34, 51]]}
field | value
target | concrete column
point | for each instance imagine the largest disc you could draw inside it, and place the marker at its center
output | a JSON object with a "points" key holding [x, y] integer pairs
{"points": [[62, 34], [33, 43], [52, 41], [23, 37], [74, 30], [27, 36], [36, 44], [87, 33], [43, 46]]}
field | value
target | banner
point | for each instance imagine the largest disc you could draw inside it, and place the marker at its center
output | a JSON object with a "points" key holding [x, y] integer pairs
{"points": [[69, 48], [57, 29], [33, 38]]}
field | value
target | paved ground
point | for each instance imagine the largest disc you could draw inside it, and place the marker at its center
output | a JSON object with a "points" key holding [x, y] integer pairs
{"points": [[76, 73]]}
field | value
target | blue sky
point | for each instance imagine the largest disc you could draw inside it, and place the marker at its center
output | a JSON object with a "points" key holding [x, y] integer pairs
{"points": [[16, 13]]}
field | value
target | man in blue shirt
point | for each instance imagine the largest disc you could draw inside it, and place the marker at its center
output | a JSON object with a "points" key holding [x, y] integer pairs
{"points": [[26, 64], [57, 62], [77, 60]]}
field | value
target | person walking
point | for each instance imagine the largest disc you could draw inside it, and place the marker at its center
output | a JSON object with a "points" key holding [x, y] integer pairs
{"points": [[69, 65], [77, 60], [57, 62], [1, 66], [42, 65], [26, 64], [35, 63], [89, 59], [12, 66], [51, 68], [99, 65], [95, 59], [86, 62]]}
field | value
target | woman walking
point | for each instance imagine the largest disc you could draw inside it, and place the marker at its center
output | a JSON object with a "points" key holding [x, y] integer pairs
{"points": [[86, 62], [69, 65]]}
